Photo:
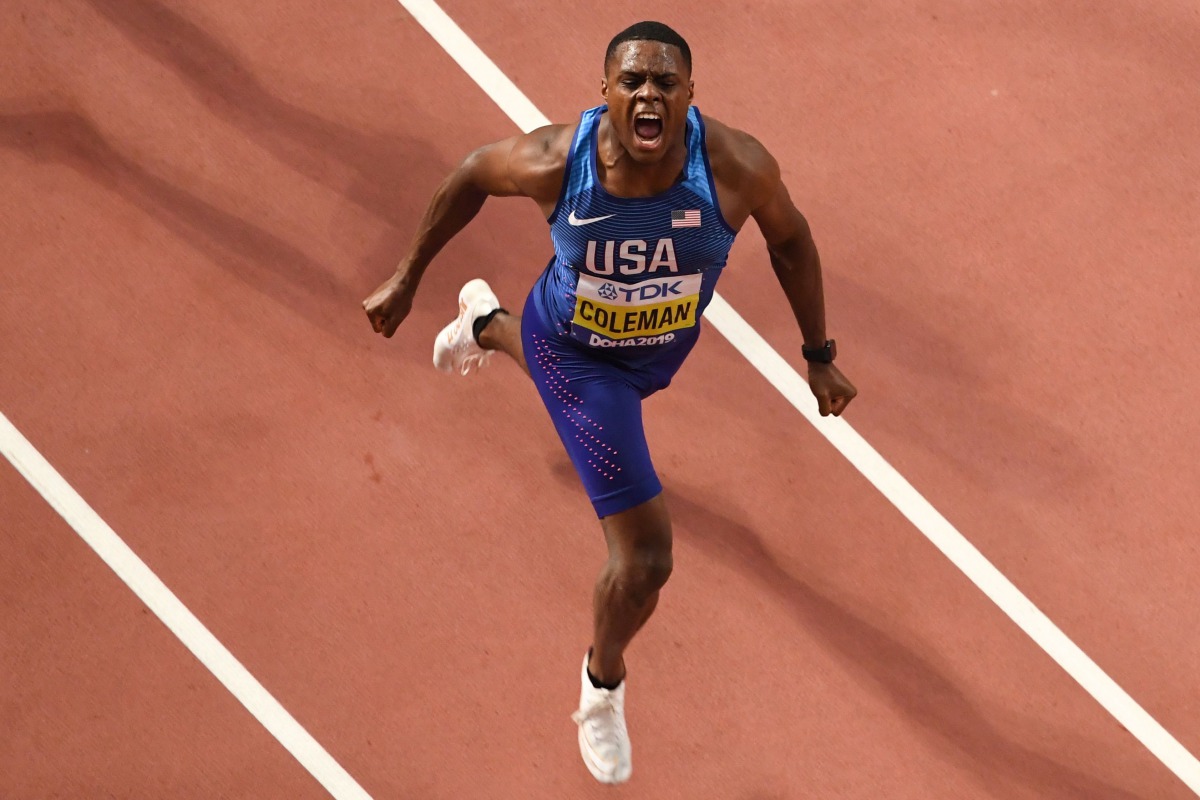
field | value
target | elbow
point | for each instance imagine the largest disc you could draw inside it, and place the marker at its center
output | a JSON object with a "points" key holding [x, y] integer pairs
{"points": [[796, 248], [465, 181], [467, 173], [473, 161], [787, 253]]}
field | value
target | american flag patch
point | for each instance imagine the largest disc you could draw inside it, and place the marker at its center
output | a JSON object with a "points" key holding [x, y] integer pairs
{"points": [[686, 219]]}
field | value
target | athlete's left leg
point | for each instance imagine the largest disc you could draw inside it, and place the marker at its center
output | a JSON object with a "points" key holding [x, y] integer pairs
{"points": [[503, 332], [481, 326]]}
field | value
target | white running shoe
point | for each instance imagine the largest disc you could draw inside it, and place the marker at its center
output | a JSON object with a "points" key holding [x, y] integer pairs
{"points": [[603, 737], [455, 348]]}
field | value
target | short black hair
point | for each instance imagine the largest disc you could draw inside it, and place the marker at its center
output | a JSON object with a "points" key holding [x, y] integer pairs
{"points": [[648, 31]]}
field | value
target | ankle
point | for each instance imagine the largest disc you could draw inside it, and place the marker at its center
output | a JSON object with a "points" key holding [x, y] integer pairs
{"points": [[603, 678], [481, 323]]}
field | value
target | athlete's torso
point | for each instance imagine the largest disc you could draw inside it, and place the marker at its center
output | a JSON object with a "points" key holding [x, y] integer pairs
{"points": [[631, 276]]}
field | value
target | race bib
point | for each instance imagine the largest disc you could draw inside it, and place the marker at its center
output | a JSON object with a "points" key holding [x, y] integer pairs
{"points": [[646, 310]]}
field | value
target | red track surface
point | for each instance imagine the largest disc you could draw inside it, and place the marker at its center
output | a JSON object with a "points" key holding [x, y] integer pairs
{"points": [[198, 196]]}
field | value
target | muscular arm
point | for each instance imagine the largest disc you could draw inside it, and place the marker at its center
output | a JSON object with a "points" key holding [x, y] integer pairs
{"points": [[523, 166], [456, 202], [754, 188], [793, 256]]}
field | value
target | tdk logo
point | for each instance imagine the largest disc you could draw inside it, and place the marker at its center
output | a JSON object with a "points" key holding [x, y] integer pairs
{"points": [[641, 293]]}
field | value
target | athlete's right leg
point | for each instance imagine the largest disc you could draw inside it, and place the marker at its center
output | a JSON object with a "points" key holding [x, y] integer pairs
{"points": [[597, 411], [626, 594]]}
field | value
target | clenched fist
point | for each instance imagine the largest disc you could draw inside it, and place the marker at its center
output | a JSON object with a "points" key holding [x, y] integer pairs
{"points": [[832, 390], [388, 305]]}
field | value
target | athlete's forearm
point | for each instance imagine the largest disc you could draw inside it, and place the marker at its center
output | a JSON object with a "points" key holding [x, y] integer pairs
{"points": [[454, 204], [798, 268]]}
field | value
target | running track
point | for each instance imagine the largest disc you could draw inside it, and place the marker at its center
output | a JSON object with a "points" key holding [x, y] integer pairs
{"points": [[199, 194]]}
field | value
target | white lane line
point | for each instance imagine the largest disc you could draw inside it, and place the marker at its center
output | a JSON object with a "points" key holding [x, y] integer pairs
{"points": [[857, 450], [175, 615], [481, 69], [884, 477]]}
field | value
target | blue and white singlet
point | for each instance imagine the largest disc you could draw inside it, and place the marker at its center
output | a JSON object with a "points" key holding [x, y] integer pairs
{"points": [[632, 275]]}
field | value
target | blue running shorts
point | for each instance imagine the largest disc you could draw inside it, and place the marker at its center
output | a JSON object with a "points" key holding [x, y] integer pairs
{"points": [[595, 402]]}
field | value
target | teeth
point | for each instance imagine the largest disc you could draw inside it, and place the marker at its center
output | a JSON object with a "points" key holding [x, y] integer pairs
{"points": [[648, 115]]}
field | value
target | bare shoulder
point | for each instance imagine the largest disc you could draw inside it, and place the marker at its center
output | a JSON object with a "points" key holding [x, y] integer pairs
{"points": [[745, 173], [538, 160], [738, 159]]}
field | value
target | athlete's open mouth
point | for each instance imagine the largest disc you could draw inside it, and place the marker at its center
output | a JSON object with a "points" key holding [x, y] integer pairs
{"points": [[648, 127]]}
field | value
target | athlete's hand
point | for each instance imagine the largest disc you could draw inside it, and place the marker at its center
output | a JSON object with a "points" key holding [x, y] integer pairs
{"points": [[389, 304], [832, 390]]}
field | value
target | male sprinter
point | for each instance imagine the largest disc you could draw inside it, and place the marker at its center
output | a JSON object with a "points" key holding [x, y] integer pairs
{"points": [[643, 197]]}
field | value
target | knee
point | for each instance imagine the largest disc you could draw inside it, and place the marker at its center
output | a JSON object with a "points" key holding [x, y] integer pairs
{"points": [[646, 571]]}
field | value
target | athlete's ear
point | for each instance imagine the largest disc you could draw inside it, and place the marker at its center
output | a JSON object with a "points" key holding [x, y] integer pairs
{"points": [[691, 90], [604, 88]]}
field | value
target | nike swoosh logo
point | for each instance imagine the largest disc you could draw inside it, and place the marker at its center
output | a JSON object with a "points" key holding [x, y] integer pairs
{"points": [[574, 220]]}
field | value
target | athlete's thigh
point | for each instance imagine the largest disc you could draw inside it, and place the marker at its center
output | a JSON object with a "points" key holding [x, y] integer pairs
{"points": [[598, 416]]}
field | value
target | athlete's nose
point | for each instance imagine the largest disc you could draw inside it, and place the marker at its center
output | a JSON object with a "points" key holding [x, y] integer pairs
{"points": [[648, 92]]}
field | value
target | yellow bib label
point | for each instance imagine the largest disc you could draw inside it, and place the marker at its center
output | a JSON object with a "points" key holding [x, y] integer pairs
{"points": [[646, 308]]}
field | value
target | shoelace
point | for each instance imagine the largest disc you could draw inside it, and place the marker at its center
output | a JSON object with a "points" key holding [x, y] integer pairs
{"points": [[475, 361], [602, 711]]}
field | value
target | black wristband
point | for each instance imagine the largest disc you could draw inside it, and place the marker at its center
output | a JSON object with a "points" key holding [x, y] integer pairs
{"points": [[821, 355]]}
